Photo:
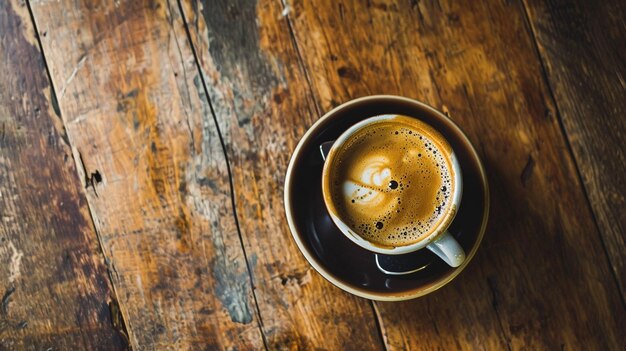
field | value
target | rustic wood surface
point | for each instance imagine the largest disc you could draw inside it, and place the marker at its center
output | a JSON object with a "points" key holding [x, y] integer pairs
{"points": [[135, 113], [261, 101], [143, 147], [583, 47], [56, 292]]}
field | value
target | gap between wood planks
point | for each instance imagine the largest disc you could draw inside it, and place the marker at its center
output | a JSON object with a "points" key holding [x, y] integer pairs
{"points": [[118, 322], [570, 151], [228, 168], [286, 14]]}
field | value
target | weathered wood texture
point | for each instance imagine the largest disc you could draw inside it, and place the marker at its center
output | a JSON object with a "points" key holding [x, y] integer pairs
{"points": [[56, 292], [140, 125], [541, 279], [263, 106], [583, 47], [139, 122]]}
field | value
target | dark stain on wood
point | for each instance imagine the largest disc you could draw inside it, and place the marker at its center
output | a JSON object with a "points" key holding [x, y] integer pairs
{"points": [[36, 181], [6, 299], [234, 35], [348, 73], [183, 231]]}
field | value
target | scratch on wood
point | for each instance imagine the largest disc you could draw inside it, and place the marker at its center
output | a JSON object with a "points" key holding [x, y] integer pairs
{"points": [[79, 65], [16, 260], [621, 80], [420, 15], [493, 287], [6, 299], [527, 172], [341, 11], [494, 293]]}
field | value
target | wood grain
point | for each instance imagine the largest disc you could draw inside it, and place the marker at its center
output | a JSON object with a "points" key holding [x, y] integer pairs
{"points": [[180, 170], [541, 279], [263, 106], [583, 47], [158, 188], [56, 292]]}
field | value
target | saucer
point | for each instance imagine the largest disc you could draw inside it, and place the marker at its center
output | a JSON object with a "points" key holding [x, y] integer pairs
{"points": [[349, 266]]}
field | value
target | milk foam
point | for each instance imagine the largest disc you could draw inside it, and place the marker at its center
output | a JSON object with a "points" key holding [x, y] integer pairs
{"points": [[392, 181]]}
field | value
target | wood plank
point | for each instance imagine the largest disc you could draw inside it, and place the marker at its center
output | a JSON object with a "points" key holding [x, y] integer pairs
{"points": [[583, 47], [56, 291], [261, 100], [541, 279], [129, 94]]}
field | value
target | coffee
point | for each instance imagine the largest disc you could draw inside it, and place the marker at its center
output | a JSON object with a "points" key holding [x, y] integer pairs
{"points": [[392, 181]]}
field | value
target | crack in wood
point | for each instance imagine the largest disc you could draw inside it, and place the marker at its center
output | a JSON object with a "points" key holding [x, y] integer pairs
{"points": [[301, 64], [91, 178], [380, 326], [117, 320], [57, 110], [492, 284], [78, 66], [229, 171]]}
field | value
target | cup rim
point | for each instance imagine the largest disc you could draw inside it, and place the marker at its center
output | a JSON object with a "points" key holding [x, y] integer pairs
{"points": [[441, 227], [431, 287]]}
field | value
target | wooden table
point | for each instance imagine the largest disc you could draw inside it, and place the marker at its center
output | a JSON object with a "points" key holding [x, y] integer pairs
{"points": [[143, 147]]}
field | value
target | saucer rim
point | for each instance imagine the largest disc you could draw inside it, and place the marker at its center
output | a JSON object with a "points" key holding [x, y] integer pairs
{"points": [[313, 261]]}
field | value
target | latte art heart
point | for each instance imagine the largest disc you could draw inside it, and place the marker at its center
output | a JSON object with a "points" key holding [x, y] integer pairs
{"points": [[376, 171], [368, 190], [391, 182]]}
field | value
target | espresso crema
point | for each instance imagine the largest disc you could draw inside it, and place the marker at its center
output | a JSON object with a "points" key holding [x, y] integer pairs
{"points": [[392, 181]]}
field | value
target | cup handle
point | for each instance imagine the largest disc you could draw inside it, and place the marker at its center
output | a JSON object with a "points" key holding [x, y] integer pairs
{"points": [[448, 249]]}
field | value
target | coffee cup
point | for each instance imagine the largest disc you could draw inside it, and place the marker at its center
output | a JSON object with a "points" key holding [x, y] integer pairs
{"points": [[366, 183], [335, 255]]}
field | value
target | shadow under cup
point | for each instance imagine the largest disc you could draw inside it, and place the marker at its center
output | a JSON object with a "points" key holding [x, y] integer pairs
{"points": [[341, 261]]}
